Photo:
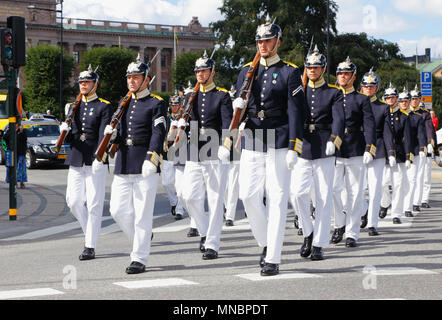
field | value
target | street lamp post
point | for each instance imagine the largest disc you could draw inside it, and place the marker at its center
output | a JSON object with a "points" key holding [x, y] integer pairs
{"points": [[61, 51]]}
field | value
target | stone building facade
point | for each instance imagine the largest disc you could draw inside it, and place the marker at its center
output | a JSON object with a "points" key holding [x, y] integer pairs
{"points": [[80, 35]]}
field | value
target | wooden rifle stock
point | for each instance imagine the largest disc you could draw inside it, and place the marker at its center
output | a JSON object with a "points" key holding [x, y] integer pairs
{"points": [[100, 154], [187, 109], [69, 119], [244, 92]]}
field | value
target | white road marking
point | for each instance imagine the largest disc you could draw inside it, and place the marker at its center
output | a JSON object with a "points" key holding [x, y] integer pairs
{"points": [[283, 275], [397, 271], [156, 283], [27, 293]]}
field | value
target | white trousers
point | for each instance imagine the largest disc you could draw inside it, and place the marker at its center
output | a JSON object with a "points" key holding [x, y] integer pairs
{"points": [[349, 176], [413, 184], [427, 180], [131, 205], [85, 197], [420, 176], [266, 173], [179, 174], [199, 178], [168, 181], [375, 174], [232, 191], [317, 175], [395, 176]]}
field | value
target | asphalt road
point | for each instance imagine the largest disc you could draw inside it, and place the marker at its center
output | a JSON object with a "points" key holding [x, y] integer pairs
{"points": [[39, 258]]}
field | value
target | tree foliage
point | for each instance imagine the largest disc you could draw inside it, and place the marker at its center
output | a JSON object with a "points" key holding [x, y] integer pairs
{"points": [[42, 74], [112, 64]]}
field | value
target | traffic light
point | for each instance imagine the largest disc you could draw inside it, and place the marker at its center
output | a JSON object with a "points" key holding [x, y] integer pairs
{"points": [[13, 49]]}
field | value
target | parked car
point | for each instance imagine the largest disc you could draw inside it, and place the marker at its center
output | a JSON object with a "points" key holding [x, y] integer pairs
{"points": [[42, 134]]}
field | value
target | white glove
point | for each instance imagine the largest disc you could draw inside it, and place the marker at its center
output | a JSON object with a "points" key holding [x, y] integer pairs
{"points": [[430, 148], [174, 123], [367, 157], [148, 169], [408, 164], [109, 130], [96, 166], [422, 154], [223, 154], [242, 126], [239, 103], [291, 159], [64, 127], [392, 161], [330, 149], [182, 123]]}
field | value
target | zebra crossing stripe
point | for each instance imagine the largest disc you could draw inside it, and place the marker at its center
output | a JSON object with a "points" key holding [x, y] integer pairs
{"points": [[396, 271], [280, 276], [155, 283], [28, 293]]}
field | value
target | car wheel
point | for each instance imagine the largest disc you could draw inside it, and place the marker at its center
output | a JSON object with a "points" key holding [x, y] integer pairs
{"points": [[30, 160]]}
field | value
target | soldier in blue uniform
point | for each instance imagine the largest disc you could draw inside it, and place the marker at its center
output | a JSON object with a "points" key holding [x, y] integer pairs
{"points": [[204, 172], [418, 147], [87, 177], [358, 148], [273, 141], [396, 175], [384, 149], [323, 132], [424, 173], [140, 135]]}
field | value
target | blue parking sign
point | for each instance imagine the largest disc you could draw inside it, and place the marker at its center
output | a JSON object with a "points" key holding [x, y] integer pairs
{"points": [[426, 77]]}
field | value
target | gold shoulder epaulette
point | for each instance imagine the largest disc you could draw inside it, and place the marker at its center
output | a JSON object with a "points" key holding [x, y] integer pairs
{"points": [[404, 112], [222, 89], [247, 64], [333, 86], [156, 96], [291, 64], [103, 100]]}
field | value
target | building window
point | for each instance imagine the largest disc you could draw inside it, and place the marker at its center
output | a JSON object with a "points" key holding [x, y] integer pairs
{"points": [[163, 60], [76, 55], [163, 86]]}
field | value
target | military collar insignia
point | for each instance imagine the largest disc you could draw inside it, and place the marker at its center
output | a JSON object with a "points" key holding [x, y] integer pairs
{"points": [[373, 99], [316, 84], [270, 61], [211, 86], [395, 108], [89, 98], [348, 91], [141, 94]]}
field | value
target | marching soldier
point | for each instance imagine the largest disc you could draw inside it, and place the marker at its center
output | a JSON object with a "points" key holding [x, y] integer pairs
{"points": [[418, 146], [275, 116], [396, 175], [140, 135], [203, 172], [384, 149], [86, 176], [424, 174], [358, 148], [323, 132]]}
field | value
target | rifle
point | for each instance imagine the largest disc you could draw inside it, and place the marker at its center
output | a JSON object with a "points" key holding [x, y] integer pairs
{"points": [[244, 92], [304, 75], [100, 154], [69, 119]]}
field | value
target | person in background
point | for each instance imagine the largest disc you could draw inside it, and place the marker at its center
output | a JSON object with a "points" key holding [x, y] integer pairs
{"points": [[434, 119], [22, 144]]}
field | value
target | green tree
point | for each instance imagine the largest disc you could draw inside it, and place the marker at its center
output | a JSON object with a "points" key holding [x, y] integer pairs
{"points": [[298, 23], [112, 65], [42, 74]]}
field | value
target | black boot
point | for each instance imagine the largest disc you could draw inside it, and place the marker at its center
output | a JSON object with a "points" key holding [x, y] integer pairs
{"points": [[409, 214], [202, 242], [383, 212], [135, 267], [87, 254], [425, 205], [262, 257], [338, 235], [296, 222], [372, 231], [172, 210], [364, 220], [317, 254], [193, 232], [306, 248], [300, 232], [270, 269]]}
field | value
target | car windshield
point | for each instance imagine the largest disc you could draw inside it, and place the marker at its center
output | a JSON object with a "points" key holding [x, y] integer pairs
{"points": [[44, 130]]}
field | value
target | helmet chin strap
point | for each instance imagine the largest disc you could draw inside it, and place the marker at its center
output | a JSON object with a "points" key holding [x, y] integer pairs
{"points": [[274, 47], [348, 81], [142, 84]]}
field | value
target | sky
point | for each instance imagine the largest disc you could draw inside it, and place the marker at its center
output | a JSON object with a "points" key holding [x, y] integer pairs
{"points": [[412, 24]]}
